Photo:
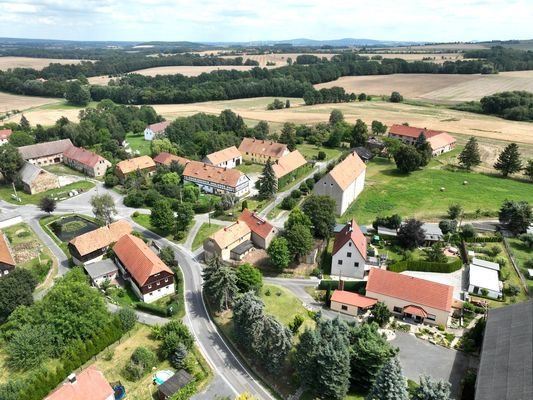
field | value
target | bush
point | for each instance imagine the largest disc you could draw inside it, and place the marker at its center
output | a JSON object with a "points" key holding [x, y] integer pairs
{"points": [[127, 318], [426, 266], [512, 290], [296, 323], [349, 286], [296, 194], [321, 156], [288, 203], [152, 309]]}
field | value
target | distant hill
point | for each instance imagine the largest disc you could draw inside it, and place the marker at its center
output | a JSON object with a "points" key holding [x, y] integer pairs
{"points": [[303, 42]]}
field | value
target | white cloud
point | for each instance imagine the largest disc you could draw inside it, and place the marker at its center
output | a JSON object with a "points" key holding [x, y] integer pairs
{"points": [[241, 20]]}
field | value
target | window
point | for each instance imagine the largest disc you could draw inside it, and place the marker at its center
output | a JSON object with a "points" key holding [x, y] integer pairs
{"points": [[149, 286], [349, 244], [158, 283], [397, 309], [349, 254], [166, 280], [339, 262], [431, 317], [356, 264], [344, 308]]}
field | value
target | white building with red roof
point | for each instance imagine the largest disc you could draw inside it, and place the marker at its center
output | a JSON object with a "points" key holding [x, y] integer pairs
{"points": [[350, 303], [85, 161], [409, 297], [349, 253], [152, 131], [441, 142], [226, 158], [4, 136]]}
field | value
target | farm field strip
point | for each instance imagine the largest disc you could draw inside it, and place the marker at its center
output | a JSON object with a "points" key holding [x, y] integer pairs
{"points": [[31, 62]]}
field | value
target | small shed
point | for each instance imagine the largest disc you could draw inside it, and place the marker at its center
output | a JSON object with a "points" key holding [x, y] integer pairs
{"points": [[100, 271], [486, 264], [174, 384], [350, 303], [484, 278]]}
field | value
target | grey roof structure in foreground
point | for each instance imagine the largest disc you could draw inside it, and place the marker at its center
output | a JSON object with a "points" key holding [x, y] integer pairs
{"points": [[29, 172], [243, 248], [100, 268], [175, 383], [506, 366]]}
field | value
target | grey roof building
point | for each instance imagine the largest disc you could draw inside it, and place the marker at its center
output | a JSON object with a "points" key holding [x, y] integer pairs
{"points": [[36, 180], [39, 150], [101, 270], [506, 366]]}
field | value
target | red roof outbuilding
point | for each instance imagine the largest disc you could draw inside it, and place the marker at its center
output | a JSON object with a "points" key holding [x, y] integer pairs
{"points": [[83, 156], [5, 134], [90, 384], [412, 131], [258, 225], [352, 299]]}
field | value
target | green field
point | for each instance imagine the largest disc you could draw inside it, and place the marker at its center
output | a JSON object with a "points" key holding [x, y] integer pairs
{"points": [[205, 231], [310, 151], [7, 190], [137, 143], [419, 194], [251, 168]]}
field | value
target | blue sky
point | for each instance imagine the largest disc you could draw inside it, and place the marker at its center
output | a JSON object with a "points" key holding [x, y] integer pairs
{"points": [[239, 20]]}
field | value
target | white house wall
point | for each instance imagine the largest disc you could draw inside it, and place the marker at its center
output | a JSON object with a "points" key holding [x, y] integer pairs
{"points": [[347, 268]]}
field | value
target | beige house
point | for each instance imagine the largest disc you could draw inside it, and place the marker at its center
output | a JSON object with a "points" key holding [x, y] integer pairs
{"points": [[36, 180], [343, 183], [226, 158], [259, 150], [167, 159], [143, 164], [85, 161], [285, 168], [350, 303], [230, 242], [262, 231], [216, 180], [441, 142], [413, 298], [45, 153]]}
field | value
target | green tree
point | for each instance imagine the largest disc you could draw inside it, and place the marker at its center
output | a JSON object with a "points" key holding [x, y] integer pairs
{"points": [[278, 252], [432, 390], [435, 253], [288, 135], [104, 207], [470, 156], [390, 384], [20, 138], [24, 123], [299, 241], [220, 284], [10, 162], [141, 362], [178, 328], [516, 215], [167, 255], [162, 216], [184, 216], [455, 211], [509, 160], [249, 278], [392, 146], [335, 117], [528, 169], [47, 204], [16, 289], [468, 232], [248, 310], [178, 357], [527, 240], [297, 217], [448, 226], [29, 347], [411, 234], [378, 128], [77, 95], [424, 149], [321, 212], [268, 183], [163, 145], [359, 135], [127, 318], [380, 314], [322, 359], [273, 344], [396, 97], [407, 159]]}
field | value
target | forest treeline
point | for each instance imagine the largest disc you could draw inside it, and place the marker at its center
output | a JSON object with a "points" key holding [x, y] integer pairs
{"points": [[515, 105], [289, 81]]}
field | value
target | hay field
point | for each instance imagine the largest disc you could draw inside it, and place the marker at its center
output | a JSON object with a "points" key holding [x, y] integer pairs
{"points": [[189, 70], [280, 58], [423, 116], [9, 102], [442, 46], [438, 58], [35, 63], [439, 88]]}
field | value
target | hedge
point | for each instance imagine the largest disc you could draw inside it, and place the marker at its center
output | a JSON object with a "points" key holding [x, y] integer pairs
{"points": [[426, 266], [152, 309], [349, 286], [486, 239]]}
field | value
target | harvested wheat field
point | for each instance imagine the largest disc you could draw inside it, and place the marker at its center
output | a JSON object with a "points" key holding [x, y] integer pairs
{"points": [[35, 63], [439, 88], [438, 58], [10, 102], [433, 117], [189, 70]]}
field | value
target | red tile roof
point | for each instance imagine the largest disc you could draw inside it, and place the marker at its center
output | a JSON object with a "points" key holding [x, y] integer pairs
{"points": [[138, 259], [441, 140], [101, 237], [351, 231], [288, 163], [210, 173], [5, 252], [268, 148], [83, 156], [159, 126], [352, 299], [226, 154], [134, 164], [412, 131], [413, 290], [167, 158], [414, 310], [347, 171], [90, 385], [258, 225], [5, 134]]}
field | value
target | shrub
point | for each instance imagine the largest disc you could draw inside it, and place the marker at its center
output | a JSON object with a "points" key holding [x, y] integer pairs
{"points": [[296, 194], [127, 318], [141, 361], [296, 323], [321, 155], [108, 355], [349, 286], [426, 266], [152, 309], [288, 203], [512, 290]]}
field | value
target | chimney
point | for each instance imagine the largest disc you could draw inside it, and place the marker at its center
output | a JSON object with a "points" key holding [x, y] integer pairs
{"points": [[341, 284], [72, 378]]}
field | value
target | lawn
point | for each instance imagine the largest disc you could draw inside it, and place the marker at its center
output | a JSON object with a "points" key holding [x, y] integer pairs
{"points": [[137, 143], [142, 389], [419, 194], [30, 253], [521, 254], [205, 231], [144, 221], [60, 194], [62, 169], [250, 168], [310, 151]]}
